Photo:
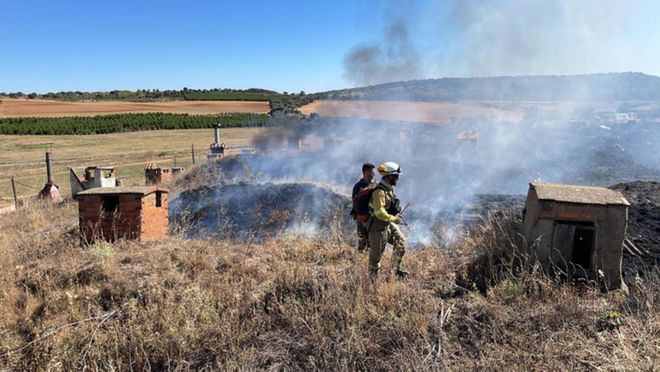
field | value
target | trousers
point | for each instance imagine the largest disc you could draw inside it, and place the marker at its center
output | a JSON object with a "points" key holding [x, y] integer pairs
{"points": [[381, 233]]}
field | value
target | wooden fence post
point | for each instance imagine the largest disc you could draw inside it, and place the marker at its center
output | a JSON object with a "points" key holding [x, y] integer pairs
{"points": [[13, 189]]}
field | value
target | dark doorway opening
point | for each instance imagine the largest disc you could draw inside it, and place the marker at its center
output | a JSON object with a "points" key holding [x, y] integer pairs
{"points": [[582, 246], [110, 203]]}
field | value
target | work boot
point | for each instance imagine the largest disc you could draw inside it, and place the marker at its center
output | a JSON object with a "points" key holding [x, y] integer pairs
{"points": [[401, 274]]}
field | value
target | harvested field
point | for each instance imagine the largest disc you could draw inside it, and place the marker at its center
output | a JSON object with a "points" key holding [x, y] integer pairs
{"points": [[417, 112], [44, 108]]}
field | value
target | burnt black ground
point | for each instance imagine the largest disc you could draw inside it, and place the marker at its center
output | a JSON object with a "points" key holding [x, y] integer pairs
{"points": [[643, 216], [258, 210], [244, 210]]}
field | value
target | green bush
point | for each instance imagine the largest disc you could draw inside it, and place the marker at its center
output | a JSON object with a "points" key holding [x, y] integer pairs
{"points": [[125, 123]]}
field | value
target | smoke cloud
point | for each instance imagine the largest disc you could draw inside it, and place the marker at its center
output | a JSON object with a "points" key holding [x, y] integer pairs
{"points": [[494, 38], [447, 168], [393, 58], [515, 37]]}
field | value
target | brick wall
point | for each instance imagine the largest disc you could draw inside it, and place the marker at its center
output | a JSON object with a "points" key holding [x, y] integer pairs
{"points": [[156, 176], [96, 223], [154, 219], [137, 217]]}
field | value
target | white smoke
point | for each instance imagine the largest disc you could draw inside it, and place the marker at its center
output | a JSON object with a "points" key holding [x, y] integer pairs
{"points": [[494, 38], [525, 37], [444, 172]]}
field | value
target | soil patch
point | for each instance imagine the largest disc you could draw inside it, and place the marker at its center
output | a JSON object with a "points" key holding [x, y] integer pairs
{"points": [[46, 108]]}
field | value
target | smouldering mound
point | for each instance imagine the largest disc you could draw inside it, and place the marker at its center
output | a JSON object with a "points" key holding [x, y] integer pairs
{"points": [[246, 210], [643, 216]]}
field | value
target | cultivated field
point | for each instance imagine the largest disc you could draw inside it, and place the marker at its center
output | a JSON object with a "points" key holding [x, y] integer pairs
{"points": [[418, 112], [44, 108], [23, 156]]}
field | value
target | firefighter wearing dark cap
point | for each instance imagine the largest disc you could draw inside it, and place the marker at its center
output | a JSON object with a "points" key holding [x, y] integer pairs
{"points": [[383, 223]]}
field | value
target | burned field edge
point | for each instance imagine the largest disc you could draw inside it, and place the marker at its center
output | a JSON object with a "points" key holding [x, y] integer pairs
{"points": [[302, 303], [249, 210]]}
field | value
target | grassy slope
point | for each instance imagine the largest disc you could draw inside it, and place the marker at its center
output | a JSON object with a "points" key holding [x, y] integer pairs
{"points": [[295, 304]]}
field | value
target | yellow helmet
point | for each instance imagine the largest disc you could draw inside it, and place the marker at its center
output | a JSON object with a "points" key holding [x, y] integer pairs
{"points": [[388, 168]]}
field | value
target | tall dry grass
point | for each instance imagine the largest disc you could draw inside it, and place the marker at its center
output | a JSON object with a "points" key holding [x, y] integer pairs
{"points": [[295, 303]]}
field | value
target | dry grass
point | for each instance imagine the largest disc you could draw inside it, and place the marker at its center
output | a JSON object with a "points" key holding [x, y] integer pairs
{"points": [[416, 112], [23, 156], [44, 108], [299, 304]]}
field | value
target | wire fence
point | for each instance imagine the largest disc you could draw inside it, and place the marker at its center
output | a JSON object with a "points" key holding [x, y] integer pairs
{"points": [[26, 185], [29, 185]]}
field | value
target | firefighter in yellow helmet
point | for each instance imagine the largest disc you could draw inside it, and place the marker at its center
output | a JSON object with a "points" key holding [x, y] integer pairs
{"points": [[384, 220]]}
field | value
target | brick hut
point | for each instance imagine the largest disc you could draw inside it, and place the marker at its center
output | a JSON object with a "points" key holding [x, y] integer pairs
{"points": [[156, 175], [578, 229], [136, 213]]}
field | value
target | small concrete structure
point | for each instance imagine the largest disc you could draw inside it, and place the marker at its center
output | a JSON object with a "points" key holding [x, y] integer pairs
{"points": [[309, 143], [578, 229], [135, 213], [93, 177], [467, 146], [216, 151], [248, 151], [50, 191], [154, 175], [332, 143], [217, 148], [294, 143]]}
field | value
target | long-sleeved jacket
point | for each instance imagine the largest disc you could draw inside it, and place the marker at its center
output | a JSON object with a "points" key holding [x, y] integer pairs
{"points": [[380, 201]]}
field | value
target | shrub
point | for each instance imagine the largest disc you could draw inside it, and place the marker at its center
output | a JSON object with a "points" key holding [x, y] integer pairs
{"points": [[125, 123]]}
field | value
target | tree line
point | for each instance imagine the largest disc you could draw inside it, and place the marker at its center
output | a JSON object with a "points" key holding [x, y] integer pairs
{"points": [[153, 95], [280, 103], [118, 123]]}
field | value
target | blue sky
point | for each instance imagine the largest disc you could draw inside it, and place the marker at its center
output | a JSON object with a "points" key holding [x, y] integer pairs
{"points": [[303, 45]]}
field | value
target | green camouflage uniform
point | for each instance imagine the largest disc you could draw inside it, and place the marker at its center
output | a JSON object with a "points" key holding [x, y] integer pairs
{"points": [[383, 230]]}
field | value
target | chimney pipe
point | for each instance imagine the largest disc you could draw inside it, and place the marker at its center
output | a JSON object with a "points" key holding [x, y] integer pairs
{"points": [[216, 133], [49, 168]]}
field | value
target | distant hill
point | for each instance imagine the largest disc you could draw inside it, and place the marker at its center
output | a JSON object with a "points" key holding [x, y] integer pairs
{"points": [[628, 86]]}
